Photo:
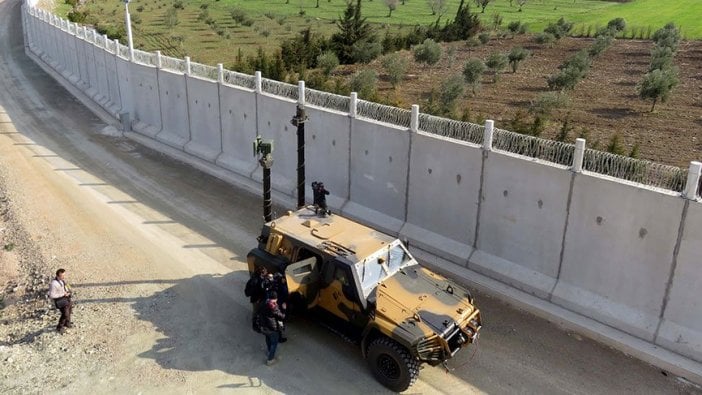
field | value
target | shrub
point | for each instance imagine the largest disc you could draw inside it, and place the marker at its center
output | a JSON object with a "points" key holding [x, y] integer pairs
{"points": [[140, 8], [516, 55], [667, 36], [77, 16], [364, 83], [615, 146], [451, 89], [238, 15], [559, 29], [178, 4], [602, 42], [661, 58], [327, 61], [617, 25], [545, 38], [497, 62], [429, 52], [473, 72], [517, 27], [546, 103], [484, 37], [396, 67], [171, 18], [366, 51]]}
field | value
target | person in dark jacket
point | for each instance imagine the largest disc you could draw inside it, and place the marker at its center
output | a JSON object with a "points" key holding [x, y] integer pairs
{"points": [[319, 195], [271, 326], [255, 288]]}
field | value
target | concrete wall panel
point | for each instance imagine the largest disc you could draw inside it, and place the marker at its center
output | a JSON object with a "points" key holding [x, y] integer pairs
{"points": [[327, 154], [522, 218], [174, 109], [238, 111], [205, 130], [147, 112], [618, 253], [103, 92], [379, 166], [274, 115], [444, 185], [92, 71], [125, 86], [681, 330]]}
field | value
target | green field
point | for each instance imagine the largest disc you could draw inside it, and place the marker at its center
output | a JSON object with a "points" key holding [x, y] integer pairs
{"points": [[272, 21]]}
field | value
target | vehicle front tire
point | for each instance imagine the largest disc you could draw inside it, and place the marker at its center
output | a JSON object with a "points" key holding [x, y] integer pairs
{"points": [[392, 365]]}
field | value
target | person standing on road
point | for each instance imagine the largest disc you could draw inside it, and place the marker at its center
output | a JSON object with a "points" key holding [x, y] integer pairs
{"points": [[272, 326], [255, 288], [60, 293]]}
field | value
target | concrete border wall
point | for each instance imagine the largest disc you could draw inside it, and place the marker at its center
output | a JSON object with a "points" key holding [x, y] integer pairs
{"points": [[205, 121], [173, 99], [442, 201], [613, 253], [521, 198], [618, 253], [681, 328], [238, 114]]}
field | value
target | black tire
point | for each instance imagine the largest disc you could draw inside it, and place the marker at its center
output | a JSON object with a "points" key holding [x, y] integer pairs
{"points": [[392, 365]]}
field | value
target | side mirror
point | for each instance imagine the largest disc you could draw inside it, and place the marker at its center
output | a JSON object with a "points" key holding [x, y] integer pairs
{"points": [[405, 241], [381, 260]]}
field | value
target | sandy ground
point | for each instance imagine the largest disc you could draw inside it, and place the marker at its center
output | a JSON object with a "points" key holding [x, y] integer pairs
{"points": [[155, 252]]}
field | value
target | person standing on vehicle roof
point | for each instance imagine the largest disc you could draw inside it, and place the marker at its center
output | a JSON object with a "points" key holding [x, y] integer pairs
{"points": [[271, 326]]}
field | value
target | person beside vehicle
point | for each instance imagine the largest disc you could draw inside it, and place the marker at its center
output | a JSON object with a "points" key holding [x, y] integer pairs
{"points": [[271, 326], [255, 288]]}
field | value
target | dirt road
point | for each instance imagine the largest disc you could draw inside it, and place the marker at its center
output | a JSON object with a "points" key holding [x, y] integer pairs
{"points": [[155, 251]]}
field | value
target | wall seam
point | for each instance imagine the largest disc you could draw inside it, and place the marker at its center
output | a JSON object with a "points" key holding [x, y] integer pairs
{"points": [[673, 267], [480, 202], [565, 232], [409, 166]]}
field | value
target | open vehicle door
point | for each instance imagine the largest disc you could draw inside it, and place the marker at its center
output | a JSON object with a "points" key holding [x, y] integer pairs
{"points": [[303, 278]]}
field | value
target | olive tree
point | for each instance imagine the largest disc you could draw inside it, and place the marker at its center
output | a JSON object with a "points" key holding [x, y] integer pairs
{"points": [[428, 52], [658, 84], [473, 72]]}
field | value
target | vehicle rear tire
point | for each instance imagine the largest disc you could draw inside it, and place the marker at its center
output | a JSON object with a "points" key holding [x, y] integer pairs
{"points": [[392, 365]]}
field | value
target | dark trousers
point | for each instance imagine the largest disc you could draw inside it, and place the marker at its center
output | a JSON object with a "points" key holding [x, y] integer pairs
{"points": [[66, 307], [272, 343]]}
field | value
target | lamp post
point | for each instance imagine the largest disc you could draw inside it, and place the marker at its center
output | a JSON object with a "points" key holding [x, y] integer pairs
{"points": [[128, 22]]}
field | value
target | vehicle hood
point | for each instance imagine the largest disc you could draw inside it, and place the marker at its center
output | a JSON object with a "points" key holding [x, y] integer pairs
{"points": [[419, 300]]}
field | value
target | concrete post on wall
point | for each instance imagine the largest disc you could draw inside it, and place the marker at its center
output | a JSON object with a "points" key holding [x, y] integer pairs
{"points": [[353, 105], [159, 61], [188, 69], [693, 181], [578, 156], [257, 90], [220, 73], [487, 135]]}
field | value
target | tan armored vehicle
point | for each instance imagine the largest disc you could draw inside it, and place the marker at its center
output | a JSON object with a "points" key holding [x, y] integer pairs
{"points": [[366, 286]]}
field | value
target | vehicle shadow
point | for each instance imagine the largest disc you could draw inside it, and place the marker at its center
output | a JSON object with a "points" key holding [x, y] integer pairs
{"points": [[206, 326]]}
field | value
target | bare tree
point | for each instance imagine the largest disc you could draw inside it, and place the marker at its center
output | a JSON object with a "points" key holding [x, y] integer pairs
{"points": [[392, 5], [482, 4], [437, 6], [521, 3]]}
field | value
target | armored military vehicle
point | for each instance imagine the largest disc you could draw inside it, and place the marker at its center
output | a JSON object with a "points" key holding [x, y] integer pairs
{"points": [[367, 286]]}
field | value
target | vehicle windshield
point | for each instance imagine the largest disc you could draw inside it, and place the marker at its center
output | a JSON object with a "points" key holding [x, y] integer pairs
{"points": [[372, 271]]}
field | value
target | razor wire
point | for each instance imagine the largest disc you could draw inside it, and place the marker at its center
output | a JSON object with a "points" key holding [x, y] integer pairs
{"points": [[383, 113], [280, 88], [203, 71], [71, 28], [110, 46], [239, 79], [89, 35], [123, 51], [636, 170], [534, 147], [173, 64], [458, 130], [327, 100], [144, 57], [80, 33]]}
